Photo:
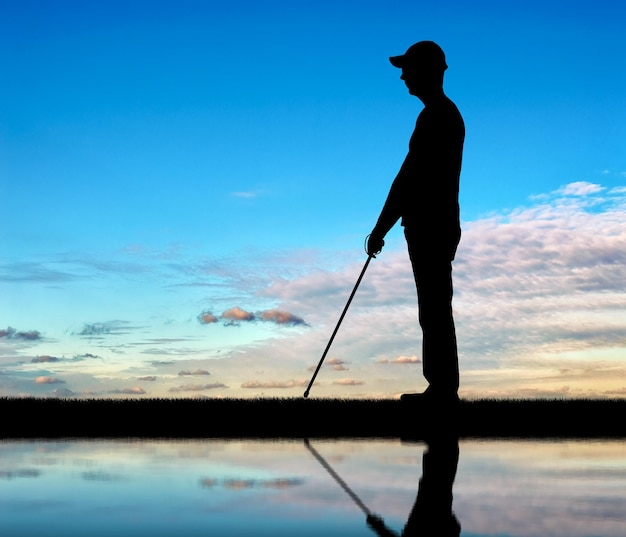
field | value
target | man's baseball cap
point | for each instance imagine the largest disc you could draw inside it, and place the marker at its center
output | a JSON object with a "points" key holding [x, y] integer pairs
{"points": [[425, 54]]}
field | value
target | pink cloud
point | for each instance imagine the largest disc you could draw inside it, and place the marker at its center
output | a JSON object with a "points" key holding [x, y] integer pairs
{"points": [[207, 317], [348, 382], [281, 317], [236, 314], [48, 380], [401, 360]]}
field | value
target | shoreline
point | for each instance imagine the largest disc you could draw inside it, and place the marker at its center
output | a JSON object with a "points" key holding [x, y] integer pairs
{"points": [[47, 418]]}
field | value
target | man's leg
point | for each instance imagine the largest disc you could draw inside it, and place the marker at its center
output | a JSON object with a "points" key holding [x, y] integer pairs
{"points": [[433, 279], [432, 513]]}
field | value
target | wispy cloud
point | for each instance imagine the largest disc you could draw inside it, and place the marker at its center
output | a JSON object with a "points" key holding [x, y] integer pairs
{"points": [[197, 372], [19, 473], [12, 333], [251, 483], [135, 390], [86, 356], [34, 273], [540, 308], [44, 359], [336, 364], [62, 392], [197, 387], [400, 360], [348, 382], [91, 330], [580, 188], [541, 281], [274, 384]]}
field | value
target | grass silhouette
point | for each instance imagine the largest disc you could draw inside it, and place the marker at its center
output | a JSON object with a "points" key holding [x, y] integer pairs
{"points": [[307, 418]]}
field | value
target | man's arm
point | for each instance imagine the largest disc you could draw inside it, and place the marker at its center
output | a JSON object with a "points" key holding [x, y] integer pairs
{"points": [[392, 209]]}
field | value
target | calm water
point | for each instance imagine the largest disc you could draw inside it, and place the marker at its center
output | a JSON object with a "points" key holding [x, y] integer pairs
{"points": [[214, 488]]}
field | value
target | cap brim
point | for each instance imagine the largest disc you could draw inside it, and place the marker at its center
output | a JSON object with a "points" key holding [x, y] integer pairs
{"points": [[397, 61]]}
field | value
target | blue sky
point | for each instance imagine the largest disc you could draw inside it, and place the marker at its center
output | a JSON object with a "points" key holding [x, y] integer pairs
{"points": [[167, 164]]}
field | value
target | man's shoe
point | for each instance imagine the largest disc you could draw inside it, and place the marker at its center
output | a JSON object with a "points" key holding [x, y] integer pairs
{"points": [[430, 398]]}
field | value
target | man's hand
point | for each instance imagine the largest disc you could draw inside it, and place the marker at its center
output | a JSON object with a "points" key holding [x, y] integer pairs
{"points": [[375, 244]]}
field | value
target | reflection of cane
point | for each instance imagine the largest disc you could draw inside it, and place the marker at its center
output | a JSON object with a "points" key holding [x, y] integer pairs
{"points": [[306, 393], [341, 482], [374, 521]]}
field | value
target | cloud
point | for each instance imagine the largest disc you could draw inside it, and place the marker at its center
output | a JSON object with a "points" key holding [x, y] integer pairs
{"points": [[196, 372], [62, 392], [334, 363], [96, 329], [252, 483], [546, 274], [19, 473], [6, 332], [48, 380], [234, 316], [12, 333], [348, 382], [400, 360], [44, 359], [618, 392], [277, 384], [85, 356], [100, 475], [105, 328], [543, 282], [197, 387], [147, 378], [580, 188], [135, 390], [539, 281], [281, 317], [33, 273], [206, 317]]}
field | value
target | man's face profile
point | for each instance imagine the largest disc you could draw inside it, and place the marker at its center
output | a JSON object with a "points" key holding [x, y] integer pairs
{"points": [[421, 79], [411, 78]]}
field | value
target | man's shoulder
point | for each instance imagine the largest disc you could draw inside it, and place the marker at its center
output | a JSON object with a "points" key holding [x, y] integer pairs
{"points": [[443, 115], [448, 107]]}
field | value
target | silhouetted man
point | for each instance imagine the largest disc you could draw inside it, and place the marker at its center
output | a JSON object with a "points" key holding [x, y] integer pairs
{"points": [[425, 196]]}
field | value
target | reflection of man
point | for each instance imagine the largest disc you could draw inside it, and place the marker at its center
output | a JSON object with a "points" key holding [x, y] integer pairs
{"points": [[424, 195], [432, 514]]}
